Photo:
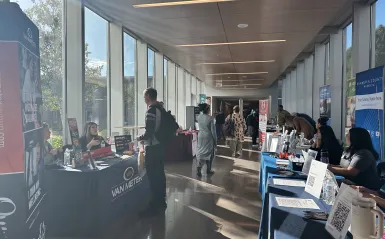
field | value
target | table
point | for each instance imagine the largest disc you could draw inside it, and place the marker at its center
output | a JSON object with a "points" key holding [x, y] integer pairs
{"points": [[287, 223], [83, 202], [180, 149]]}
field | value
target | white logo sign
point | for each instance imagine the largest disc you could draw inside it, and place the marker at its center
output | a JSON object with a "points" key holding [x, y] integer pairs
{"points": [[29, 32], [4, 215], [128, 173]]}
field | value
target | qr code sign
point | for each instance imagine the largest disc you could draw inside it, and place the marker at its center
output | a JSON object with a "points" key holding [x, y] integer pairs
{"points": [[311, 180], [340, 216]]}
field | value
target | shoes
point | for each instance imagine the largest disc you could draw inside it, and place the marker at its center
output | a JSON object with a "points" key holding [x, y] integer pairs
{"points": [[199, 173], [233, 155], [238, 153], [210, 172]]}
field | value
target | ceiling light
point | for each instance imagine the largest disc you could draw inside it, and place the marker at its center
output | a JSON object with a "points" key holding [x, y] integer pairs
{"points": [[230, 43], [235, 62], [225, 80], [236, 73], [240, 85], [243, 25], [175, 3]]}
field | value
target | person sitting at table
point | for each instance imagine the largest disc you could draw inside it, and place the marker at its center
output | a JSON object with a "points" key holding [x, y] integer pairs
{"points": [[326, 140], [90, 139], [301, 125], [358, 162], [50, 154], [323, 121]]}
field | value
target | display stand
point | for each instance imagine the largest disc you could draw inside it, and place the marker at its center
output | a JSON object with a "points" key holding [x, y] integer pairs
{"points": [[22, 194]]}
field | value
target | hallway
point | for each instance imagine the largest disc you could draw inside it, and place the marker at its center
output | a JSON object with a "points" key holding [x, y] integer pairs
{"points": [[225, 205]]}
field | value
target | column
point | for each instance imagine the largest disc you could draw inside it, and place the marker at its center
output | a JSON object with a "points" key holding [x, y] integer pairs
{"points": [[188, 89], [159, 75], [287, 104], [361, 37], [284, 83], [73, 61], [294, 91], [319, 77], [141, 54], [336, 72], [116, 71], [308, 85], [300, 87], [241, 106], [181, 117], [194, 90], [171, 90]]}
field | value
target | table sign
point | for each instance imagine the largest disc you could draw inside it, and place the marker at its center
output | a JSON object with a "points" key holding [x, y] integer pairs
{"points": [[296, 203], [340, 216], [289, 182], [122, 143], [309, 156], [315, 178]]}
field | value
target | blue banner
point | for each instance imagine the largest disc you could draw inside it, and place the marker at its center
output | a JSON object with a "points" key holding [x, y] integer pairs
{"points": [[370, 105]]}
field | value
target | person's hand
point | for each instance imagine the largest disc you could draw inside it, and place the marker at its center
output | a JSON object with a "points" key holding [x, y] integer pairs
{"points": [[364, 190], [53, 151], [92, 143]]}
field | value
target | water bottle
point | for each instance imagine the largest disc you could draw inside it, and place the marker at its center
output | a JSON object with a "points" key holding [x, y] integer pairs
{"points": [[329, 195], [67, 157], [324, 156], [103, 143]]}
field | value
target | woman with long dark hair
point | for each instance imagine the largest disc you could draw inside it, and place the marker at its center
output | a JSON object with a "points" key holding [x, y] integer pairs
{"points": [[326, 140], [207, 140], [358, 163], [90, 139]]}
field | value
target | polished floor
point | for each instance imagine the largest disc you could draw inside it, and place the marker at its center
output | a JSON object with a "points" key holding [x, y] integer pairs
{"points": [[224, 205]]}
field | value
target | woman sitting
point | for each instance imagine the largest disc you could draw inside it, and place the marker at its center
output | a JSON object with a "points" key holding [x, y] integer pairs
{"points": [[326, 140], [323, 121], [90, 139], [358, 162]]}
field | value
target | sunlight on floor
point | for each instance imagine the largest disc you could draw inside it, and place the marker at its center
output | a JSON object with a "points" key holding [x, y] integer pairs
{"points": [[242, 208], [241, 163]]}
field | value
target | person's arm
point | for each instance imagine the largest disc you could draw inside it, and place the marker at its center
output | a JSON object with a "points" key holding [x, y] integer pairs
{"points": [[350, 171], [213, 132], [360, 162], [149, 125]]}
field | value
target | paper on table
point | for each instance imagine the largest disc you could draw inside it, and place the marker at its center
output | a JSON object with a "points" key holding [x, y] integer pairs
{"points": [[340, 216], [296, 203], [289, 182], [315, 178]]}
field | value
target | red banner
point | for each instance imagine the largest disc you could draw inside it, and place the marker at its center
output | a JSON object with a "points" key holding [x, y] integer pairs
{"points": [[263, 111]]}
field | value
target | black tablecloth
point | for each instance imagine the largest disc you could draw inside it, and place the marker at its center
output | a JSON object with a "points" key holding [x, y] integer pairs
{"points": [[85, 202], [180, 149]]}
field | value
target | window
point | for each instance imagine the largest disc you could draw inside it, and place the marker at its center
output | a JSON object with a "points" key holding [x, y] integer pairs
{"points": [[129, 86], [47, 15], [95, 62], [150, 68], [348, 53], [165, 63], [380, 33]]}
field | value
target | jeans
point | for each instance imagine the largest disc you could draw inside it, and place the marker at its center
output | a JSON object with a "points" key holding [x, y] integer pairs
{"points": [[235, 146], [154, 160], [220, 133]]}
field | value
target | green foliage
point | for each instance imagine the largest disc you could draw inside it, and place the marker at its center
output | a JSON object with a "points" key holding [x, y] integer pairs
{"points": [[103, 133], [56, 141], [47, 15], [380, 45]]}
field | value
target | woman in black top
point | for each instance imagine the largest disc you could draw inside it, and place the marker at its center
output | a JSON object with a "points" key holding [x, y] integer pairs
{"points": [[90, 139], [358, 162], [326, 140]]}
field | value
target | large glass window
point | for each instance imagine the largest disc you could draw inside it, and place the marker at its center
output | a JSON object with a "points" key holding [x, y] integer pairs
{"points": [[380, 33], [47, 15], [150, 68], [165, 67], [129, 86], [348, 53], [95, 62]]}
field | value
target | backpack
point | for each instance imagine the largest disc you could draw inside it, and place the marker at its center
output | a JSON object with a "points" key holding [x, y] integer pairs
{"points": [[168, 127], [229, 127]]}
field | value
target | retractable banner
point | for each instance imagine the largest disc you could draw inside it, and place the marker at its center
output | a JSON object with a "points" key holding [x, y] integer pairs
{"points": [[370, 105], [202, 98], [21, 138], [263, 114], [325, 102]]}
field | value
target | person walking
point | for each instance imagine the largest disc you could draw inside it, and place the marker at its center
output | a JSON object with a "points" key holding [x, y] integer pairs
{"points": [[159, 126], [219, 122], [239, 131], [252, 126], [207, 140]]}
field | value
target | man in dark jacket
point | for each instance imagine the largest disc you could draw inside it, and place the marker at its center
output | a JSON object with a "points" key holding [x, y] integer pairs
{"points": [[219, 122], [154, 157], [252, 126]]}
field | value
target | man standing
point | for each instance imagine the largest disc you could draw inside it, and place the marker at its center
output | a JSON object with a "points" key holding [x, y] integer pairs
{"points": [[154, 156], [252, 126], [219, 122], [282, 114]]}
